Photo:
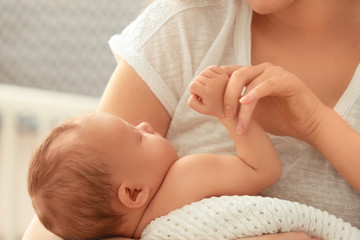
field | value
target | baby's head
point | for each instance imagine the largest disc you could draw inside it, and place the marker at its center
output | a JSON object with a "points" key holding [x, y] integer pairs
{"points": [[95, 173]]}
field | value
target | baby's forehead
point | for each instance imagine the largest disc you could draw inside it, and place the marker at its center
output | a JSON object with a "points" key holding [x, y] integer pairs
{"points": [[103, 120], [91, 119], [71, 135], [86, 122], [98, 125], [63, 137], [82, 119]]}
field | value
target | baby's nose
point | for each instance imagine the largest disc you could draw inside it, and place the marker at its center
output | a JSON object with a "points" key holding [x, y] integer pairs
{"points": [[144, 126]]}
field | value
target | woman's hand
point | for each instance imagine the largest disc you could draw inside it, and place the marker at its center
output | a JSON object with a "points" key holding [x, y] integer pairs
{"points": [[284, 104], [118, 238], [276, 236], [283, 236]]}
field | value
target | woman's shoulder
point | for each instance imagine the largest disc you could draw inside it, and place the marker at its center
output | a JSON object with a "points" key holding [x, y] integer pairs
{"points": [[184, 4], [171, 18]]}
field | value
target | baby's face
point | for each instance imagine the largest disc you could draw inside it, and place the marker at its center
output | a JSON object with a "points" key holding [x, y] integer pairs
{"points": [[135, 152]]}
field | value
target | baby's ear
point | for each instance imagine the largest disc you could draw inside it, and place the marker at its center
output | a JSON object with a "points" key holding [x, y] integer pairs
{"points": [[133, 197]]}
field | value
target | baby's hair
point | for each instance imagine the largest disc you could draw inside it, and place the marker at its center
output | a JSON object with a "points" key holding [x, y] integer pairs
{"points": [[70, 187]]}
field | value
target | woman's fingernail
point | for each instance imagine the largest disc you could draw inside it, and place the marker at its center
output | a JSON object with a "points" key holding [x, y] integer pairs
{"points": [[228, 112], [240, 129], [244, 99]]}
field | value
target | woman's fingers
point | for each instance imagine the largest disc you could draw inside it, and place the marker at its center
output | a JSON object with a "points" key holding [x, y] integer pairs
{"points": [[233, 92], [242, 77], [248, 103], [245, 114], [259, 88], [267, 86], [260, 81]]}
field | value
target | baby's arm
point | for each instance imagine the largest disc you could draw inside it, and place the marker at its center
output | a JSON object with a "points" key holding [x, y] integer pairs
{"points": [[254, 147], [194, 177]]}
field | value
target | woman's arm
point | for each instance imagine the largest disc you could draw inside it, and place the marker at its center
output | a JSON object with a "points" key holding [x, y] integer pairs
{"points": [[340, 144], [286, 106], [37, 231], [283, 236], [129, 97]]}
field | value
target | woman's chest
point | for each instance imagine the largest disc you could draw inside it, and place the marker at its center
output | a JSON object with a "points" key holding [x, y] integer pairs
{"points": [[327, 69]]}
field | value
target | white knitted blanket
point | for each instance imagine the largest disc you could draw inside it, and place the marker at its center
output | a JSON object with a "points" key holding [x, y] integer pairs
{"points": [[232, 217]]}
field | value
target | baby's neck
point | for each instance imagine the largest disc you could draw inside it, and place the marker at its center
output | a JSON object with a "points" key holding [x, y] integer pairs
{"points": [[165, 201], [129, 228], [151, 213]]}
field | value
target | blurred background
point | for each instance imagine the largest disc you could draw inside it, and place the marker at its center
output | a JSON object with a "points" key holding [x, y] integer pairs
{"points": [[54, 63]]}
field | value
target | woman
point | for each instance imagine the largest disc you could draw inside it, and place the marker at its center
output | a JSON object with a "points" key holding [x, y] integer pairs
{"points": [[316, 41]]}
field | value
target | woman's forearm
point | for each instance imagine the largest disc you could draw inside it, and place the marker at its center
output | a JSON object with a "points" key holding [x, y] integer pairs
{"points": [[283, 236], [340, 144]]}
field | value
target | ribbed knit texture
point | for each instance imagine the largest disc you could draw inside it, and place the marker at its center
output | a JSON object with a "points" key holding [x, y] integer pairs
{"points": [[232, 217]]}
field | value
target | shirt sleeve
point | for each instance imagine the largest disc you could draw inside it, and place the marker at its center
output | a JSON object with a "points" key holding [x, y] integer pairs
{"points": [[166, 44]]}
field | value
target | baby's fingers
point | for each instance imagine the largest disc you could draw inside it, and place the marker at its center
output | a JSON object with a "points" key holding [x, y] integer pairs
{"points": [[195, 102], [197, 88], [238, 80]]}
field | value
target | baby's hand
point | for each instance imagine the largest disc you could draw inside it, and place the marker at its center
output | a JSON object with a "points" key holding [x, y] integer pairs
{"points": [[207, 92]]}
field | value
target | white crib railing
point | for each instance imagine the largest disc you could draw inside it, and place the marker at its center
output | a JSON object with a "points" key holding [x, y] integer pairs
{"points": [[46, 107]]}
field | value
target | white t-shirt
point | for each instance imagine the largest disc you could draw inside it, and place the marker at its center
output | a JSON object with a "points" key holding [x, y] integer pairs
{"points": [[174, 40]]}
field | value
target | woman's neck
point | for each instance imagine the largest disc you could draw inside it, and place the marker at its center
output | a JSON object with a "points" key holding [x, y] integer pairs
{"points": [[312, 17]]}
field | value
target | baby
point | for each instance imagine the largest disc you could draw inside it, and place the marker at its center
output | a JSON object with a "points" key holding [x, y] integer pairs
{"points": [[98, 176]]}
